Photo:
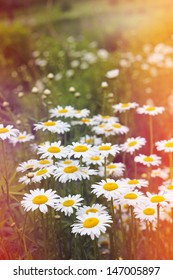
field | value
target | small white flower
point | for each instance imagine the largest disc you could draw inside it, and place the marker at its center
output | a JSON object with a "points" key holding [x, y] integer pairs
{"points": [[22, 137], [123, 107], [134, 183], [29, 165], [112, 169], [39, 199], [92, 224], [53, 150], [133, 144], [150, 110], [151, 160], [59, 127], [59, 111], [94, 208], [112, 74], [68, 204], [165, 145], [77, 150], [130, 197], [107, 149], [7, 132]]}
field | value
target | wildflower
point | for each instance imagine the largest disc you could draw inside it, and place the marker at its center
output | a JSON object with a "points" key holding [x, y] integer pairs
{"points": [[53, 126], [8, 132], [27, 165], [53, 150], [146, 212], [150, 110], [22, 137], [77, 150], [113, 169], [92, 224], [68, 204], [123, 107], [112, 74], [94, 208], [39, 199], [151, 160], [165, 145], [135, 183], [107, 149], [132, 144], [109, 188], [130, 197], [59, 111]]}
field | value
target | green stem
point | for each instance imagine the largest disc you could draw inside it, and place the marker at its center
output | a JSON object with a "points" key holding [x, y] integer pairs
{"points": [[151, 134], [6, 173], [105, 163], [44, 236], [158, 231]]}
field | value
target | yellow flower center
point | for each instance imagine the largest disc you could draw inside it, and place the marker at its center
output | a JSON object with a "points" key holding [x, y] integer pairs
{"points": [[125, 105], [105, 117], [131, 196], [44, 161], [150, 109], [40, 199], [70, 169], [30, 166], [62, 111], [49, 123], [78, 111], [102, 125], [149, 211], [110, 186], [53, 150], [104, 148], [133, 182], [170, 187], [41, 172], [148, 159], [92, 210], [157, 199], [169, 145], [21, 137], [89, 141], [90, 222], [116, 125], [68, 203], [80, 149], [111, 166], [67, 161], [4, 130], [85, 120], [132, 143], [95, 158]]}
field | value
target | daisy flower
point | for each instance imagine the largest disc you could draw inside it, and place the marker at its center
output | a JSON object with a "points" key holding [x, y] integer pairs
{"points": [[42, 163], [93, 140], [109, 188], [133, 144], [22, 138], [92, 224], [160, 172], [59, 111], [94, 208], [95, 159], [70, 173], [123, 107], [67, 162], [167, 186], [130, 197], [27, 165], [43, 173], [68, 204], [119, 128], [135, 183], [113, 169], [151, 160], [7, 132], [39, 199], [165, 145], [107, 149], [146, 212], [105, 119], [150, 110], [81, 114], [59, 127], [50, 150], [77, 150], [86, 121], [162, 198]]}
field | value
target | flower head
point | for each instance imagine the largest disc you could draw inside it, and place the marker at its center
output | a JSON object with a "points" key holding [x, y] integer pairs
{"points": [[68, 204]]}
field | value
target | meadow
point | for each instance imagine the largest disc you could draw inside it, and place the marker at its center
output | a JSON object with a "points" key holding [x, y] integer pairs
{"points": [[86, 107]]}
